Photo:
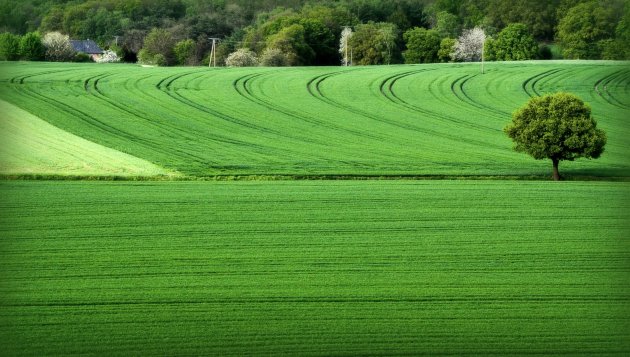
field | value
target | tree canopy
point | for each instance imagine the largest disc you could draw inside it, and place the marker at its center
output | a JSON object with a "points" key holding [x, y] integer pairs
{"points": [[557, 127], [514, 43], [308, 32], [469, 45], [31, 47], [158, 48], [374, 43], [58, 47], [422, 45], [583, 27]]}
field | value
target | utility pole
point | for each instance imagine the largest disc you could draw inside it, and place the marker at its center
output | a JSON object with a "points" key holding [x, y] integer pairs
{"points": [[351, 57], [346, 46], [345, 30], [213, 52], [483, 49]]}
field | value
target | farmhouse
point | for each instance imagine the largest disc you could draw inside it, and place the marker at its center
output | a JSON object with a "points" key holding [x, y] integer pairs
{"points": [[87, 46]]}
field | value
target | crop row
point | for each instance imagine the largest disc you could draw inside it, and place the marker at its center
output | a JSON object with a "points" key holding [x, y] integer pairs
{"points": [[421, 120], [314, 268]]}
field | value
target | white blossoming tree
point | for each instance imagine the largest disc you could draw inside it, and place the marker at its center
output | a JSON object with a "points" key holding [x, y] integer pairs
{"points": [[346, 34], [58, 47], [108, 56], [469, 46], [242, 58]]}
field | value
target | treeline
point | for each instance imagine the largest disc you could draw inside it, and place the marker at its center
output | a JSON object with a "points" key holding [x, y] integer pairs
{"points": [[307, 32]]}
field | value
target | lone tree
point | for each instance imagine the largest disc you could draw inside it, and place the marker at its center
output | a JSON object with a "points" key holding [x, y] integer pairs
{"points": [[469, 45], [242, 57], [557, 127]]}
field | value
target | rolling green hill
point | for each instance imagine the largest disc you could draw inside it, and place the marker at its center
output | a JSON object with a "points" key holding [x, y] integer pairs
{"points": [[424, 120], [307, 267], [33, 146]]}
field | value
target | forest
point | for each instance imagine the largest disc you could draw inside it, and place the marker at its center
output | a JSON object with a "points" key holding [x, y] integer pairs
{"points": [[307, 32]]}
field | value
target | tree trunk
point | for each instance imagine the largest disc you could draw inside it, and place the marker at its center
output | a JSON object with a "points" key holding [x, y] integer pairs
{"points": [[556, 174]]}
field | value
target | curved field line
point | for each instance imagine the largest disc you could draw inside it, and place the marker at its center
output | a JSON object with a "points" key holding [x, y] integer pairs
{"points": [[98, 124], [495, 89], [314, 87], [445, 116], [90, 120], [454, 84], [386, 86], [85, 117], [20, 79], [531, 82], [457, 88], [625, 75], [100, 94], [243, 87], [164, 86], [388, 91], [164, 128], [471, 101], [68, 109], [605, 94], [92, 82]]}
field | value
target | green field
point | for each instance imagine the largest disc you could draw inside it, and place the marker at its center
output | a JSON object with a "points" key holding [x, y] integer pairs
{"points": [[425, 120], [30, 145], [315, 268], [499, 265]]}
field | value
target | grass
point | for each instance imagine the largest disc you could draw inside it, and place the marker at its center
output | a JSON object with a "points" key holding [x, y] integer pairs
{"points": [[32, 146], [425, 120], [314, 268], [314, 263]]}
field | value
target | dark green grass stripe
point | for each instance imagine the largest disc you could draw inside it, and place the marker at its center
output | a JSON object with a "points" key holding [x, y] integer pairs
{"points": [[314, 268]]}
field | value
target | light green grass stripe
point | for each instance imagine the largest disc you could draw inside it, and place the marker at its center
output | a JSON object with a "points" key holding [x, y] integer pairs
{"points": [[32, 146]]}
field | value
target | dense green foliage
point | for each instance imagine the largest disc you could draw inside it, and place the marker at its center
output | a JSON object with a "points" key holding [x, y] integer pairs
{"points": [[439, 119], [540, 16], [621, 49], [290, 40], [422, 45], [9, 47], [558, 127], [514, 43], [31, 47], [374, 43], [158, 48], [314, 268], [446, 49], [184, 52], [447, 24], [308, 31], [273, 57], [583, 28]]}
